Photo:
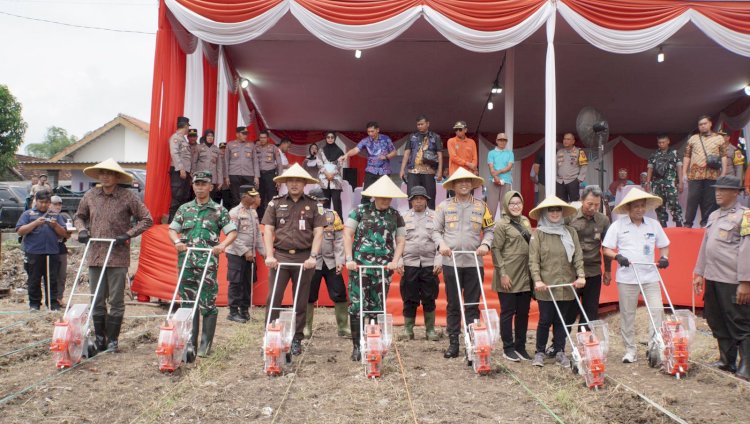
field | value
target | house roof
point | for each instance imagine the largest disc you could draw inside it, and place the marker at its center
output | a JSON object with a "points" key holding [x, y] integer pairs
{"points": [[51, 165], [127, 121]]}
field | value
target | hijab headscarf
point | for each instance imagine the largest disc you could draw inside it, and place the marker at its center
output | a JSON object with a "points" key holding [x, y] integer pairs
{"points": [[204, 139], [546, 226], [332, 151]]}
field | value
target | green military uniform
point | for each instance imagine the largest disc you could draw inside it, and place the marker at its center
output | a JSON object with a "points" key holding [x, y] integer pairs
{"points": [[375, 234], [664, 165], [199, 226]]}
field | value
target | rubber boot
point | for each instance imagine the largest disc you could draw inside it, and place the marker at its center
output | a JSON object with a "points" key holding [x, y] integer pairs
{"points": [[429, 327], [727, 356], [408, 333], [309, 314], [743, 371], [100, 332], [207, 335], [356, 352], [452, 351], [342, 319], [113, 332], [234, 315]]}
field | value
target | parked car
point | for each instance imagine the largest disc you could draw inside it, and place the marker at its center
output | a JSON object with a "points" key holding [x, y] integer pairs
{"points": [[12, 202], [139, 181]]}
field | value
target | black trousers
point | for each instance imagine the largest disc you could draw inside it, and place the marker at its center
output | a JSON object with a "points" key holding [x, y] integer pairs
{"points": [[514, 305], [235, 181], [334, 284], [334, 201], [589, 295], [267, 189], [241, 274], [37, 281], [548, 317], [725, 317], [418, 285], [180, 189], [369, 179], [469, 283], [425, 180], [285, 275], [700, 193], [568, 192]]}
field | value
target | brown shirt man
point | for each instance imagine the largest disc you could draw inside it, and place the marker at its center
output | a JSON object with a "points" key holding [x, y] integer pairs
{"points": [[591, 232], [294, 222]]}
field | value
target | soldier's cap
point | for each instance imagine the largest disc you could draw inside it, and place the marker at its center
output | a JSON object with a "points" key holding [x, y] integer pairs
{"points": [[459, 125], [248, 189], [418, 191], [384, 188], [318, 193], [722, 132], [193, 132], [202, 176], [56, 199], [242, 130], [109, 165], [222, 144], [635, 194], [549, 202], [728, 181], [461, 174], [181, 119], [295, 171]]}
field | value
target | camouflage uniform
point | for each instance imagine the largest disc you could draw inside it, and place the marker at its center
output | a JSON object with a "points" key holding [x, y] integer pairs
{"points": [[199, 226], [664, 185], [375, 234]]}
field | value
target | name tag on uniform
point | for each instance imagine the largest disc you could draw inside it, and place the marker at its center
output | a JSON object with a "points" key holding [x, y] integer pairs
{"points": [[302, 225], [597, 236], [647, 250]]}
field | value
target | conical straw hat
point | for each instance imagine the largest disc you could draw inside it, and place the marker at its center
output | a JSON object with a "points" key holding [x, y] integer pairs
{"points": [[295, 171], [550, 202], [108, 165], [385, 188], [460, 174], [652, 202]]}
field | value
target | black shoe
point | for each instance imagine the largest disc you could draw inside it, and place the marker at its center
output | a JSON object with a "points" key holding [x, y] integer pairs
{"points": [[296, 347], [511, 355], [100, 332], [236, 317], [34, 308], [245, 314], [356, 354], [112, 346], [521, 352], [551, 352], [452, 351], [743, 370], [727, 356]]}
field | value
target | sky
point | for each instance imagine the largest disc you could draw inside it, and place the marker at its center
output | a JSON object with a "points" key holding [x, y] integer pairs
{"points": [[77, 78]]}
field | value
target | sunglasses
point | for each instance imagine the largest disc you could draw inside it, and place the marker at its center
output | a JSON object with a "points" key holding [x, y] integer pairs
{"points": [[502, 139], [554, 209]]}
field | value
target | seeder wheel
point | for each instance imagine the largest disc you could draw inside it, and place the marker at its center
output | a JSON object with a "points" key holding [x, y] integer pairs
{"points": [[653, 356], [190, 353], [91, 349]]}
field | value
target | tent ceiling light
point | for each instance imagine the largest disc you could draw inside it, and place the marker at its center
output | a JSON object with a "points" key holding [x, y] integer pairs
{"points": [[747, 90], [660, 56], [358, 54], [496, 88], [490, 105], [244, 82]]}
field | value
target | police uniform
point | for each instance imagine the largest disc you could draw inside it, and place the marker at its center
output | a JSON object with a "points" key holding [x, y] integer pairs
{"points": [[199, 225], [462, 226], [331, 257], [239, 164], [268, 165], [571, 171], [181, 159], [208, 158], [723, 262], [664, 166], [294, 223], [419, 283], [241, 272]]}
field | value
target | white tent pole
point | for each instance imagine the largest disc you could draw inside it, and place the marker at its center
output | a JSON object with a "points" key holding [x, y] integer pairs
{"points": [[550, 111], [193, 108], [510, 102], [222, 98]]}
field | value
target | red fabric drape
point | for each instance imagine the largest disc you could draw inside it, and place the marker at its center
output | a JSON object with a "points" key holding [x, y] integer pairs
{"points": [[639, 14], [622, 157], [229, 11], [210, 81], [167, 101], [485, 15], [232, 111]]}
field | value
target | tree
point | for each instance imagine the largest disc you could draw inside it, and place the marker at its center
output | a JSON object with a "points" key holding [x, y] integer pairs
{"points": [[54, 142], [12, 127]]}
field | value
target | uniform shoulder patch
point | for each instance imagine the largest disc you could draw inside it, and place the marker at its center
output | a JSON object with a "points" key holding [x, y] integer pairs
{"points": [[745, 225], [487, 220], [338, 225], [582, 159], [739, 158]]}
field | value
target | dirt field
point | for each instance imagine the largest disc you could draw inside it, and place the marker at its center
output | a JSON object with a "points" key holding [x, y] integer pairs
{"points": [[325, 386]]}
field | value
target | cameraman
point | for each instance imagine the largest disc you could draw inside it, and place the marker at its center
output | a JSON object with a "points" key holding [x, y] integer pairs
{"points": [[40, 229]]}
